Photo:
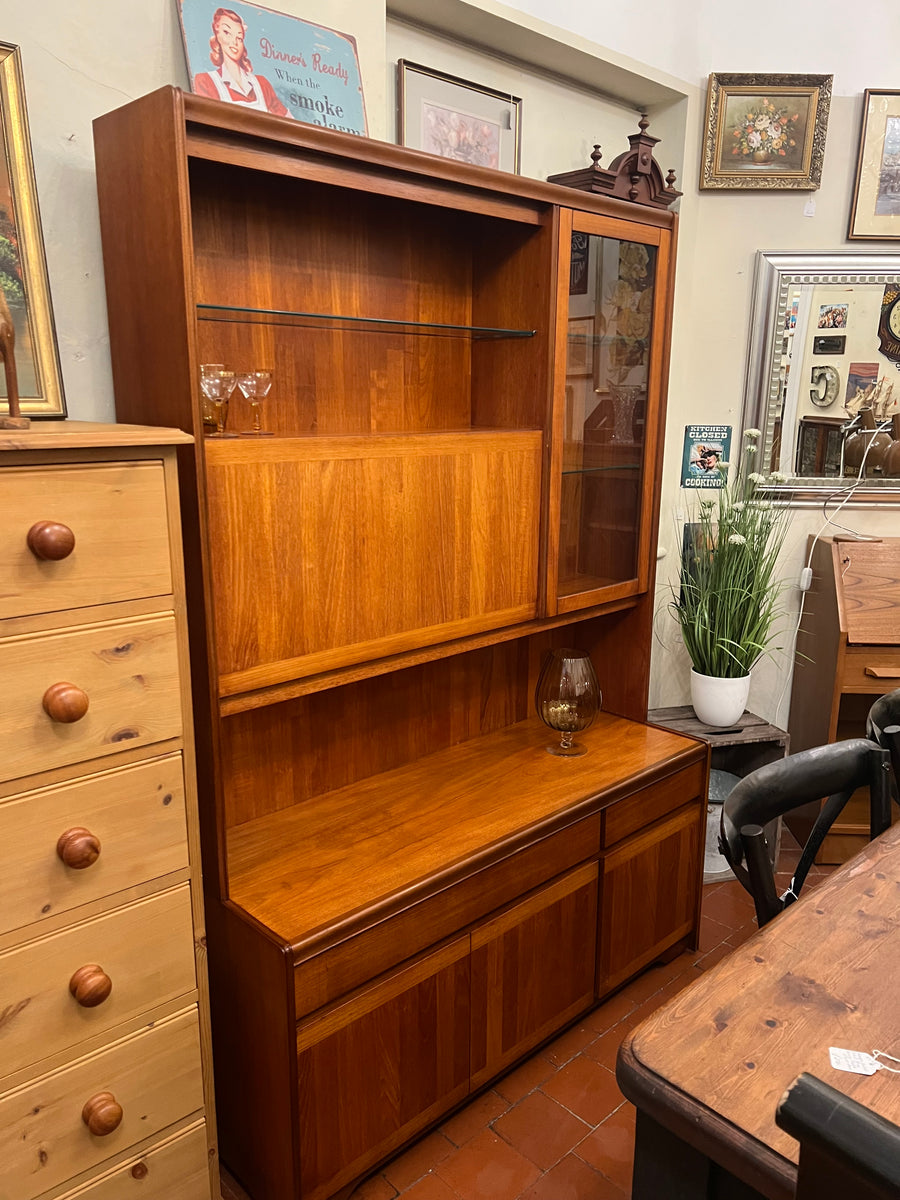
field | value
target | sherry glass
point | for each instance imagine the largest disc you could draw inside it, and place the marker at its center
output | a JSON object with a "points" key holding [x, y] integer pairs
{"points": [[217, 384], [255, 387], [567, 698]]}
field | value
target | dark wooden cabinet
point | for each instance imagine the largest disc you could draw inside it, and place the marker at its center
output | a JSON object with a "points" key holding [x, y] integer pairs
{"points": [[404, 888]]}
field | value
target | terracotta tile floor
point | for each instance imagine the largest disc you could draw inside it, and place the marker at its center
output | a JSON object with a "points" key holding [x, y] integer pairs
{"points": [[557, 1127]]}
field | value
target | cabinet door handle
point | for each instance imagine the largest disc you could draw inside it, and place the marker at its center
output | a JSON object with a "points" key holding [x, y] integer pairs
{"points": [[50, 540], [78, 848], [883, 672], [102, 1114], [90, 985], [65, 703]]}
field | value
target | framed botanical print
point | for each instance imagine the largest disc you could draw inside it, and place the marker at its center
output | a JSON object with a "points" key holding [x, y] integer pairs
{"points": [[875, 211], [765, 131], [23, 269], [457, 119]]}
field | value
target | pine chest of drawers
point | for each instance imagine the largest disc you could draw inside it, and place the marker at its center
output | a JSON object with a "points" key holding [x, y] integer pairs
{"points": [[105, 1070]]}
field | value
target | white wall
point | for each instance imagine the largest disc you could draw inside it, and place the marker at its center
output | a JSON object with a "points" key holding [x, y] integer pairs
{"points": [[84, 57]]}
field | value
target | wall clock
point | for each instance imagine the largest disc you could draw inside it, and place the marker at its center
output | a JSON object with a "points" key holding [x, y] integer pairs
{"points": [[889, 323]]}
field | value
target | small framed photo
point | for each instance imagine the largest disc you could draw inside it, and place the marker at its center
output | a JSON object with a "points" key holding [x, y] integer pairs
{"points": [[458, 119], [765, 131], [875, 211], [23, 268], [580, 355]]}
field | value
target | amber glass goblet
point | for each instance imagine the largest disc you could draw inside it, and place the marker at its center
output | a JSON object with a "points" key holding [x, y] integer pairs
{"points": [[567, 698]]}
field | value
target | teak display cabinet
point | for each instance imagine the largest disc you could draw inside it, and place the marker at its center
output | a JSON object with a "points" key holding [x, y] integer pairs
{"points": [[406, 893]]}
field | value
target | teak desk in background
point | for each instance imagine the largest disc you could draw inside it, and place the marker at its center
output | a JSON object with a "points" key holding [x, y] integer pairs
{"points": [[706, 1072]]}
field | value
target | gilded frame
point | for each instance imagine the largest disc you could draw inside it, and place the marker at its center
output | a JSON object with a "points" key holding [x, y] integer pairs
{"points": [[739, 152], [877, 182], [23, 267]]}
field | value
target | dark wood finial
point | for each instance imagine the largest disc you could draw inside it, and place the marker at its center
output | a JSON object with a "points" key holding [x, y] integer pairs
{"points": [[670, 179], [633, 175]]}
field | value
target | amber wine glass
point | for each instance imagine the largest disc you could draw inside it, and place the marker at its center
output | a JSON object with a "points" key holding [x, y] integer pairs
{"points": [[217, 384], [567, 698], [255, 387]]}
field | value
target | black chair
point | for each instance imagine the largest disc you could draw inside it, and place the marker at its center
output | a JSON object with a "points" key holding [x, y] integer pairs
{"points": [[883, 728], [835, 771], [847, 1152]]}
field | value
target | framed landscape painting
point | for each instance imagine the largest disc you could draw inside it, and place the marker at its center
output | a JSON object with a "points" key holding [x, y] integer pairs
{"points": [[875, 211], [765, 131], [23, 269]]}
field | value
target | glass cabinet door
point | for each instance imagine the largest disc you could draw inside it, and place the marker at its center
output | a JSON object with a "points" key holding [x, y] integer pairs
{"points": [[612, 319]]}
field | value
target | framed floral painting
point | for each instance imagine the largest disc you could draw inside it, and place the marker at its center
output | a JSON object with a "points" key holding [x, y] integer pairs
{"points": [[765, 131], [457, 119], [875, 212]]}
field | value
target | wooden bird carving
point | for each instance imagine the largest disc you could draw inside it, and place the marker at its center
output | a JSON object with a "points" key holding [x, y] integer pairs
{"points": [[15, 420]]}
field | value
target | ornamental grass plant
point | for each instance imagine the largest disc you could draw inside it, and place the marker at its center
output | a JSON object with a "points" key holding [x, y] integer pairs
{"points": [[729, 598]]}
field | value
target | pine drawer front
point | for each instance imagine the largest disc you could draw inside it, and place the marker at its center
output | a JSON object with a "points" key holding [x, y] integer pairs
{"points": [[154, 1076], [142, 954], [128, 672], [130, 821], [176, 1169], [116, 514]]}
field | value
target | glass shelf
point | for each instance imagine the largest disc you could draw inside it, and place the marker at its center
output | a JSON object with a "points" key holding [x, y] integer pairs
{"points": [[599, 470], [276, 316]]}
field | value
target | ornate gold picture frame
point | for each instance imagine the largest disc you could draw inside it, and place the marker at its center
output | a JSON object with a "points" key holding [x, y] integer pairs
{"points": [[23, 268], [765, 132]]}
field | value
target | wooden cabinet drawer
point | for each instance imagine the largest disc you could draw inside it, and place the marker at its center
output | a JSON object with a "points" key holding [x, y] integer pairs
{"points": [[326, 976], [134, 814], [176, 1169], [129, 673], [146, 951], [155, 1077], [117, 513], [648, 805], [873, 669]]}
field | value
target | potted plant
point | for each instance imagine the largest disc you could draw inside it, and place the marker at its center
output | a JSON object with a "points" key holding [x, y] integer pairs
{"points": [[728, 600]]}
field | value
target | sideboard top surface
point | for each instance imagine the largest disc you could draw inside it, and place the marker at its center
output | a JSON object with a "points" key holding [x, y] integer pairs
{"points": [[416, 829]]}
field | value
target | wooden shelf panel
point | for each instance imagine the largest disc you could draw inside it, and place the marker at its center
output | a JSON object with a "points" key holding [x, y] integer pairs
{"points": [[404, 540], [409, 832]]}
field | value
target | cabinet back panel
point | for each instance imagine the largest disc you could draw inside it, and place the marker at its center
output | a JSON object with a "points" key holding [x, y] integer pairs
{"points": [[286, 244], [273, 758]]}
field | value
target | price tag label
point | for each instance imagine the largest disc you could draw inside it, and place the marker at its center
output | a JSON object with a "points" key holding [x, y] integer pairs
{"points": [[853, 1060]]}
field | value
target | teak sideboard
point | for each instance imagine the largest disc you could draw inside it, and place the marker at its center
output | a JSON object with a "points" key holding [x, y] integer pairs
{"points": [[405, 892]]}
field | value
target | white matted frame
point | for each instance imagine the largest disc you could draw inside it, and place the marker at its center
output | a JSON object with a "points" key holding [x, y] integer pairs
{"points": [[457, 119], [875, 212]]}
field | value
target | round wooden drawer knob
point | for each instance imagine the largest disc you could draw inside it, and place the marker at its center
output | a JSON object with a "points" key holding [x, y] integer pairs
{"points": [[50, 540], [65, 703], [78, 848], [90, 985], [102, 1114]]}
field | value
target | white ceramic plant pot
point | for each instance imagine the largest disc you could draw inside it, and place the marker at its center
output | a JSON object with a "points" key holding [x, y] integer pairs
{"points": [[718, 701]]}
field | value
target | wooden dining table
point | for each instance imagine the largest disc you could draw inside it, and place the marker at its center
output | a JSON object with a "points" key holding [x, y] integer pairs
{"points": [[707, 1070]]}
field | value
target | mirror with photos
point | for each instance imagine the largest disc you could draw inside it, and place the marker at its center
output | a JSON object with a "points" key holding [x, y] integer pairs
{"points": [[823, 375]]}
